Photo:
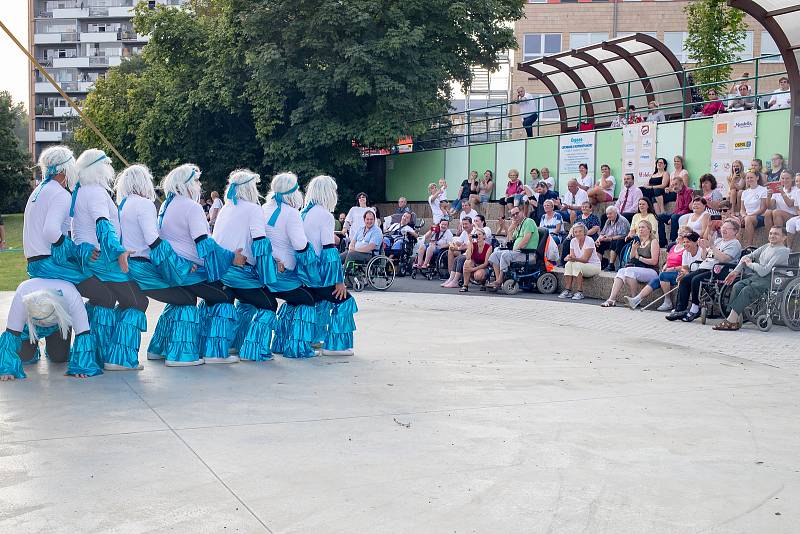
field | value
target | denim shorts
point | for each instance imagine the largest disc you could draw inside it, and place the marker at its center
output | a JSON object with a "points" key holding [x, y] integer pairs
{"points": [[666, 276]]}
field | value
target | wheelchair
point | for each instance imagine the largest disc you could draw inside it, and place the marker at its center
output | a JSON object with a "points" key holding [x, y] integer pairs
{"points": [[437, 268], [781, 303], [715, 296], [404, 260], [532, 274], [378, 273]]}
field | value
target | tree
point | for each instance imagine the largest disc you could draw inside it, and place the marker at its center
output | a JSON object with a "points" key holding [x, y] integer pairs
{"points": [[15, 161], [716, 36], [293, 84]]}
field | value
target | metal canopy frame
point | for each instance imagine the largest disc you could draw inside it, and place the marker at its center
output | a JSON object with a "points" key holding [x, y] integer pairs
{"points": [[781, 18], [621, 62]]}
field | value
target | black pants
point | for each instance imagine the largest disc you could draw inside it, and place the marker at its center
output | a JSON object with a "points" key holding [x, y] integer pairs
{"points": [[57, 347], [212, 292], [689, 286], [615, 244], [673, 219], [301, 296], [127, 295], [527, 123], [98, 293], [260, 297], [177, 296], [604, 218], [326, 293]]}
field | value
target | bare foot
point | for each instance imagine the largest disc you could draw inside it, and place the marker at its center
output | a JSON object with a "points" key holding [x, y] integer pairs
{"points": [[79, 376], [7, 378]]}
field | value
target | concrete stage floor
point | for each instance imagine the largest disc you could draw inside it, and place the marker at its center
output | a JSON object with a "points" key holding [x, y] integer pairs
{"points": [[459, 413]]}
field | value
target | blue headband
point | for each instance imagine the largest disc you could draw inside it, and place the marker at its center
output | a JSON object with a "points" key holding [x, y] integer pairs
{"points": [[189, 179], [98, 160], [50, 173], [170, 198], [278, 202], [232, 189], [78, 186], [306, 210]]}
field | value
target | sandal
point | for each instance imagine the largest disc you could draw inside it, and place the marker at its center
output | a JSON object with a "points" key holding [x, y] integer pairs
{"points": [[609, 304], [727, 326], [463, 289]]}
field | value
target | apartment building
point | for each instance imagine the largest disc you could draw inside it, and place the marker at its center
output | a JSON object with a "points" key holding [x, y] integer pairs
{"points": [[77, 41]]}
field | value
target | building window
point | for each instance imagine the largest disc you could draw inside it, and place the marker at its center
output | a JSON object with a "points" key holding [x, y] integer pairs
{"points": [[628, 34], [537, 45], [768, 47], [748, 47], [676, 42], [579, 40], [537, 1]]}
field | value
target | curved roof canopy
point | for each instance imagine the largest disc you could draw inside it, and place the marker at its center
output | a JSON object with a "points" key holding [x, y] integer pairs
{"points": [[591, 83], [781, 18]]}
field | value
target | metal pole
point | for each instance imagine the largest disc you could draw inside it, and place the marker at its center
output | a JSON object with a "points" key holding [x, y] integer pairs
{"points": [[69, 100]]}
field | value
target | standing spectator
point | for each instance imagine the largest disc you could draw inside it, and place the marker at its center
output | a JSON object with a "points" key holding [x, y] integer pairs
{"points": [[486, 187], [713, 196], [543, 194], [657, 184], [206, 206], [570, 205], [683, 201], [3, 244], [604, 190], [476, 265], [434, 203], [725, 249], [621, 119], [714, 106], [513, 195], [774, 175], [339, 223], [216, 205], [760, 263], [437, 238], [642, 266], [552, 221], [528, 109], [585, 181], [582, 262], [736, 86], [783, 204], [402, 206], [654, 114], [633, 117], [456, 250], [465, 190], [612, 236], [645, 213], [754, 206], [354, 221], [591, 226], [736, 184], [628, 202], [524, 236], [781, 98]]}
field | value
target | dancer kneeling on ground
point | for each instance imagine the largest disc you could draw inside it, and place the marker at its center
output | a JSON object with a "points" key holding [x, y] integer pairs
{"points": [[583, 261], [296, 267], [334, 306], [759, 263], [49, 309], [642, 266], [240, 226], [680, 257], [476, 265], [189, 334], [524, 236]]}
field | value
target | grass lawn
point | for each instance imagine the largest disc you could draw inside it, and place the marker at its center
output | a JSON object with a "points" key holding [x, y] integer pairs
{"points": [[12, 261]]}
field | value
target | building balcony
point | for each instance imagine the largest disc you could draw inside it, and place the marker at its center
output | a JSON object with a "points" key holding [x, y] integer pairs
{"points": [[49, 137], [99, 37], [69, 87], [54, 38], [65, 111], [70, 62]]}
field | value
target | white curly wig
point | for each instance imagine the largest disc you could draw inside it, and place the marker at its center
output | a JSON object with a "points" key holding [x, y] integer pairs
{"points": [[246, 182], [94, 168], [282, 183], [58, 159], [135, 180], [46, 308], [183, 180], [322, 191]]}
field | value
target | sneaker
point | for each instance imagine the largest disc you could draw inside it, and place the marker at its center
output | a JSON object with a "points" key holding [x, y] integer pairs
{"points": [[665, 307], [229, 359], [232, 351], [115, 367], [316, 345], [154, 356], [633, 302], [175, 363], [609, 268], [348, 352], [566, 294], [577, 296]]}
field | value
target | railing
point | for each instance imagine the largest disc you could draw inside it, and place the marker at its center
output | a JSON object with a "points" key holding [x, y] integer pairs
{"points": [[494, 122]]}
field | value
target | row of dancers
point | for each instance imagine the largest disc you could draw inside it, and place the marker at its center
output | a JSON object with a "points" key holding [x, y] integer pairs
{"points": [[221, 289]]}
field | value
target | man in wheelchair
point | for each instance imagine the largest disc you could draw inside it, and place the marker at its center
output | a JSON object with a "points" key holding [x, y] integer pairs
{"points": [[366, 243], [523, 237], [758, 265], [398, 234]]}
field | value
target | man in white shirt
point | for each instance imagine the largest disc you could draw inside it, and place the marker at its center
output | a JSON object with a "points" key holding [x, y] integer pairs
{"points": [[528, 108], [570, 204], [781, 98], [216, 206]]}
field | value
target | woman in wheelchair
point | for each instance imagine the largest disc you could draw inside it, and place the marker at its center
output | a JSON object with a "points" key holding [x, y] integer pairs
{"points": [[725, 249], [397, 235], [366, 243], [758, 264], [438, 238]]}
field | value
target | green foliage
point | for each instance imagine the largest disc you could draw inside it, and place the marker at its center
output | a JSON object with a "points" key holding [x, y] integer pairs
{"points": [[292, 84], [716, 35], [15, 161], [13, 267]]}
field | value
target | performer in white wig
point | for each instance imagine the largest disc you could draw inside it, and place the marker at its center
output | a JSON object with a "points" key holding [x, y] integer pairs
{"points": [[202, 335], [296, 269], [95, 225], [335, 308], [47, 309], [49, 250], [154, 266], [240, 225]]}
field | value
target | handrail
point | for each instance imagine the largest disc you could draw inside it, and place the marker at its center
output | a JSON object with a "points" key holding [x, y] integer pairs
{"points": [[483, 129]]}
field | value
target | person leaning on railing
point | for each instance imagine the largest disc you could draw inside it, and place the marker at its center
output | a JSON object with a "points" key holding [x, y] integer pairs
{"points": [[655, 114], [714, 106], [528, 108], [781, 98]]}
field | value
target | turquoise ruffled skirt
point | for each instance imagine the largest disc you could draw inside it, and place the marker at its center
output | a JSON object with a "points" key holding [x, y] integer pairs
{"points": [[127, 338], [342, 326], [256, 344]]}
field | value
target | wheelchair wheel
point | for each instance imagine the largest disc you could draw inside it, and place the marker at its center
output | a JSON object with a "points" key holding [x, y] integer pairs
{"points": [[703, 315], [381, 273], [764, 323], [441, 266], [358, 284], [510, 287], [723, 303], [547, 284], [414, 273], [790, 305]]}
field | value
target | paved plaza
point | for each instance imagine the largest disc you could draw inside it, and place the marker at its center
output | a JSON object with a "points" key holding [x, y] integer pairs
{"points": [[459, 413]]}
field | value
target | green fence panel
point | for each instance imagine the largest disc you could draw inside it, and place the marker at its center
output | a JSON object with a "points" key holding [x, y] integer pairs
{"points": [[542, 152], [669, 142], [409, 174], [456, 168], [510, 155], [697, 149], [608, 150], [773, 135], [483, 158]]}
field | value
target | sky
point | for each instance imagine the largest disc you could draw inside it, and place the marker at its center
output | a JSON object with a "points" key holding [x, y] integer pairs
{"points": [[14, 74]]}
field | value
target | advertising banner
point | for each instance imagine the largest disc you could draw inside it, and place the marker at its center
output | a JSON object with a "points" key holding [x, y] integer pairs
{"points": [[639, 150], [574, 149], [734, 138]]}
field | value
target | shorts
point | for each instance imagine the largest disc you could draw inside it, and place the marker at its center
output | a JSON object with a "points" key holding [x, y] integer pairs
{"points": [[668, 276], [643, 275], [759, 221], [793, 225], [484, 198]]}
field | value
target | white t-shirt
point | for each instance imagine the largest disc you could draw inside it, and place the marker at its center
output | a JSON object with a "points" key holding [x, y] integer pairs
{"points": [[696, 225], [45, 219], [436, 211], [751, 198], [781, 99], [355, 217], [288, 235], [471, 214], [444, 239], [688, 258], [93, 202], [18, 316], [529, 106], [578, 250], [577, 199], [609, 190], [318, 224], [586, 181], [780, 204], [139, 222], [183, 222], [238, 225]]}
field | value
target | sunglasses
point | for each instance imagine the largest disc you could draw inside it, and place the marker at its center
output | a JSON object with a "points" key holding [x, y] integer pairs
{"points": [[724, 210]]}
